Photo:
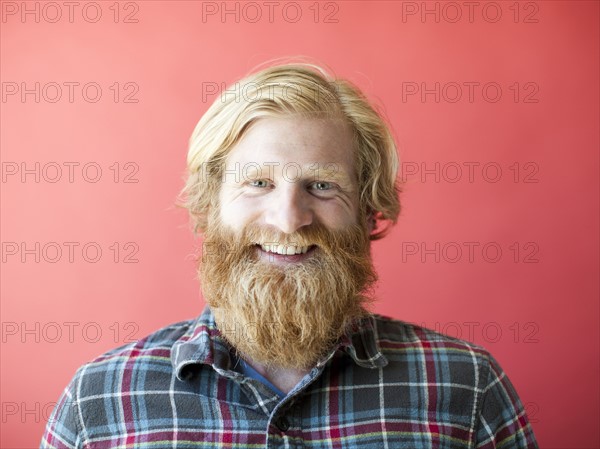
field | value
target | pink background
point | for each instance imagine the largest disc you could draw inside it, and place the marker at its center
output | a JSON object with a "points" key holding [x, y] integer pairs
{"points": [[538, 315]]}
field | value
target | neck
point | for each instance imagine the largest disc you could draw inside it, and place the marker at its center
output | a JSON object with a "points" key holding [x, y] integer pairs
{"points": [[283, 378]]}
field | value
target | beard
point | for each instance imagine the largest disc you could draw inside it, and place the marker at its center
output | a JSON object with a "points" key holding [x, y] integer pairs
{"points": [[286, 315]]}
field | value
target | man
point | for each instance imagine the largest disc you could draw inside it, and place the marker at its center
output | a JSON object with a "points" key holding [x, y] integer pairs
{"points": [[291, 174]]}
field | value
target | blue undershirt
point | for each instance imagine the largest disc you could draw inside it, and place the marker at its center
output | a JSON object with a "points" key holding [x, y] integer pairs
{"points": [[241, 366]]}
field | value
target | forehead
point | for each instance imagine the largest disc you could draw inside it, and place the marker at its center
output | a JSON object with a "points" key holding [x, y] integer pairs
{"points": [[296, 140]]}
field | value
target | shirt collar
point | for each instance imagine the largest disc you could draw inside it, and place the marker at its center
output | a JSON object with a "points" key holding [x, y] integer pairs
{"points": [[204, 344], [362, 344]]}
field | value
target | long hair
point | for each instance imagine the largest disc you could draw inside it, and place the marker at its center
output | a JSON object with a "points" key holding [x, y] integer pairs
{"points": [[303, 89]]}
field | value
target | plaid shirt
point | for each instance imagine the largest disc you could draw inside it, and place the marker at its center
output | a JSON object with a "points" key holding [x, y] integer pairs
{"points": [[386, 384]]}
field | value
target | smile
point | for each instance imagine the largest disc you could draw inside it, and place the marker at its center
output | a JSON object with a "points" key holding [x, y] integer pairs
{"points": [[285, 254], [285, 250]]}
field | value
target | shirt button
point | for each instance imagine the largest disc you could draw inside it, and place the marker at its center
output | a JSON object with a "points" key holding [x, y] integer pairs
{"points": [[282, 424]]}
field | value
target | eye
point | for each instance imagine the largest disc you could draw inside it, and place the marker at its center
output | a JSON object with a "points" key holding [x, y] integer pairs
{"points": [[322, 185], [260, 183]]}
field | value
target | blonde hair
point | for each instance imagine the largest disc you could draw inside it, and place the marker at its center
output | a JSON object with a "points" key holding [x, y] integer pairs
{"points": [[297, 88]]}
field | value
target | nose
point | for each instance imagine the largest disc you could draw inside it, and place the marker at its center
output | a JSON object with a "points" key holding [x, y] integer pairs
{"points": [[289, 209]]}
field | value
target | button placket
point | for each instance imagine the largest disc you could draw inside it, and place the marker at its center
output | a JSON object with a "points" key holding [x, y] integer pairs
{"points": [[282, 423]]}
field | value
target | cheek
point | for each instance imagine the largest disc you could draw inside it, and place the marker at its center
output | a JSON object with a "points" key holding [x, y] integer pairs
{"points": [[336, 216], [236, 213]]}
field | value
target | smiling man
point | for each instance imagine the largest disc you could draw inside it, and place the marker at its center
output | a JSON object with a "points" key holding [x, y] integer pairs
{"points": [[291, 175], [287, 232]]}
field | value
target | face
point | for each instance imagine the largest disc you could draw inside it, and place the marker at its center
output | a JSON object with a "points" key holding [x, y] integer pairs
{"points": [[287, 174], [286, 253]]}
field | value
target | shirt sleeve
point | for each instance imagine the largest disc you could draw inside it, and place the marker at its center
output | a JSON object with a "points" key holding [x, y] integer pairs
{"points": [[62, 430], [502, 421]]}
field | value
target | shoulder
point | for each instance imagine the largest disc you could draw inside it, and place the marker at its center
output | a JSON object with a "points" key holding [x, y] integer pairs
{"points": [[153, 344], [393, 331], [135, 367], [150, 353], [467, 374], [400, 341]]}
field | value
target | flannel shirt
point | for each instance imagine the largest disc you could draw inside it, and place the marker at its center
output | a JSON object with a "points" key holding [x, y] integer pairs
{"points": [[385, 384]]}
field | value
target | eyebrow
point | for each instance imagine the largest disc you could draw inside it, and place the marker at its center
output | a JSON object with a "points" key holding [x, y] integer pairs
{"points": [[291, 171]]}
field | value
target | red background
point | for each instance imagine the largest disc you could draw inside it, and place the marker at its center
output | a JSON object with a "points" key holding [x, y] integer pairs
{"points": [[538, 315]]}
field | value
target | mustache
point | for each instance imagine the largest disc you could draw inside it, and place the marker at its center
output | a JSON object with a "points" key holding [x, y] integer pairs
{"points": [[223, 242]]}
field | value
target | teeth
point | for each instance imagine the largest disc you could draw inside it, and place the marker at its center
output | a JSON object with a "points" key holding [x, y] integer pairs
{"points": [[285, 250]]}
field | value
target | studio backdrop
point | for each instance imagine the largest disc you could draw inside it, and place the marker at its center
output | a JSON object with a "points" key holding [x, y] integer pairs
{"points": [[494, 107]]}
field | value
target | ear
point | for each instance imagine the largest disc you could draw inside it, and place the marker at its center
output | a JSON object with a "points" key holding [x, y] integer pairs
{"points": [[371, 221]]}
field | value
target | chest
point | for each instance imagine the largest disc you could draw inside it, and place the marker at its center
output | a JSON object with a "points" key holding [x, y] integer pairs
{"points": [[367, 411]]}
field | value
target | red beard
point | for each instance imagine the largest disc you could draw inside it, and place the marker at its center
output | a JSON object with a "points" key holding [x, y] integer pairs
{"points": [[286, 315]]}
